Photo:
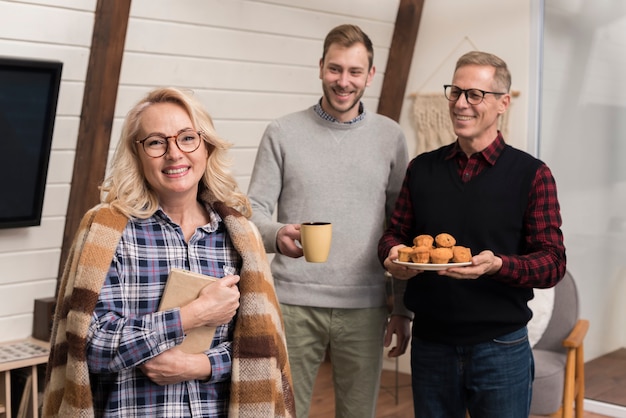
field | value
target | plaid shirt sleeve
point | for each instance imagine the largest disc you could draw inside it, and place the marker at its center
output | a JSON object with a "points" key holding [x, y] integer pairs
{"points": [[543, 263], [118, 341], [398, 230], [220, 355]]}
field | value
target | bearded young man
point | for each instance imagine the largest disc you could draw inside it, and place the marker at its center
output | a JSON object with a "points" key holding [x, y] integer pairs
{"points": [[333, 162]]}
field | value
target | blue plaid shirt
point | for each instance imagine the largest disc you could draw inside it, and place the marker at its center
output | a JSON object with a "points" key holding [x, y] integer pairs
{"points": [[126, 329]]}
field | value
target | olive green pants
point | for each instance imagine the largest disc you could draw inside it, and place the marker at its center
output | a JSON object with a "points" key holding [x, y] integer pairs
{"points": [[354, 338]]}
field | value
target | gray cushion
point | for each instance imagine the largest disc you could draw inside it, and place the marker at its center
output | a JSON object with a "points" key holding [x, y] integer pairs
{"points": [[548, 384], [564, 315], [549, 353]]}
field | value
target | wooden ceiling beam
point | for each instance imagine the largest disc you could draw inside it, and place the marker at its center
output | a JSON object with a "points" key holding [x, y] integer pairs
{"points": [[96, 118], [400, 57]]}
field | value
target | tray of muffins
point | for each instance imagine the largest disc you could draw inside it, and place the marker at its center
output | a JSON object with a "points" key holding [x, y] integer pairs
{"points": [[432, 254]]}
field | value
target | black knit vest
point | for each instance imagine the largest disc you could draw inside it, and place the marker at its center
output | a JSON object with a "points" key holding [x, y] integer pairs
{"points": [[486, 213]]}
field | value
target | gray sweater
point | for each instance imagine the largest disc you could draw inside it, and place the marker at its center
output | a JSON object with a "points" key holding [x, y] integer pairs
{"points": [[310, 170]]}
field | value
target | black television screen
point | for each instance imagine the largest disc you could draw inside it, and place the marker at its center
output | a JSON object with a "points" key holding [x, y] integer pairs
{"points": [[29, 90]]}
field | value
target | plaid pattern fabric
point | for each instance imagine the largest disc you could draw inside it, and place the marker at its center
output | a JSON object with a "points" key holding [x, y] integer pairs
{"points": [[126, 328], [260, 375]]}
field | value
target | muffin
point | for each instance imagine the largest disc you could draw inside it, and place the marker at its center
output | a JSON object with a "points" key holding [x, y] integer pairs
{"points": [[440, 255], [445, 240], [461, 254], [421, 254], [404, 254], [423, 240]]}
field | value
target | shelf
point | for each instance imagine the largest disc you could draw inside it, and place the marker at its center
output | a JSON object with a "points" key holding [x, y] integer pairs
{"points": [[23, 354]]}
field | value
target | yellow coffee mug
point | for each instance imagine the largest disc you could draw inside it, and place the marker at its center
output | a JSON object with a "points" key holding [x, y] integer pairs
{"points": [[316, 238]]}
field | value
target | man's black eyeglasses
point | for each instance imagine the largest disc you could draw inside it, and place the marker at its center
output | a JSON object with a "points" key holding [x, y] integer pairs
{"points": [[473, 96]]}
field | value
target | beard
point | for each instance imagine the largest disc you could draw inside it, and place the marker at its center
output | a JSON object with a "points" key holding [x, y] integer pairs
{"points": [[344, 107]]}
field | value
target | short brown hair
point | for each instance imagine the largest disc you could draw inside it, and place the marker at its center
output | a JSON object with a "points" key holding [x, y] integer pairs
{"points": [[346, 36], [502, 76]]}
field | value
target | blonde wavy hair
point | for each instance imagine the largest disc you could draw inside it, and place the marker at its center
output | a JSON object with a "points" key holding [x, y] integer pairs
{"points": [[125, 188]]}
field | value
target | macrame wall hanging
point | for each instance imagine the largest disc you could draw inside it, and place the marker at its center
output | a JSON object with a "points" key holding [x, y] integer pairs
{"points": [[431, 115]]}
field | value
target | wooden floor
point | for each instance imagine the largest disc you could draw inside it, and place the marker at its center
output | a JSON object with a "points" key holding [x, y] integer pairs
{"points": [[605, 378], [323, 402]]}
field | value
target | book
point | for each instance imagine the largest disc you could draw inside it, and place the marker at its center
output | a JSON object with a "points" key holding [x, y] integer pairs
{"points": [[182, 287]]}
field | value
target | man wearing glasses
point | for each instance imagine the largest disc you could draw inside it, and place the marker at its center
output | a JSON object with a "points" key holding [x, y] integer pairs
{"points": [[470, 349]]}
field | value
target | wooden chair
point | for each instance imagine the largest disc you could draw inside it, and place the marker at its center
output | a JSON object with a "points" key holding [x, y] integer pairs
{"points": [[559, 385]]}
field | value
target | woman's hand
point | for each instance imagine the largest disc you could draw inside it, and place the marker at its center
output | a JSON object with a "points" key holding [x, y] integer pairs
{"points": [[174, 366], [216, 304]]}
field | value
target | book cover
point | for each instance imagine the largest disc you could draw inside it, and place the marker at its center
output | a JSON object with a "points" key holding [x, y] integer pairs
{"points": [[182, 287]]}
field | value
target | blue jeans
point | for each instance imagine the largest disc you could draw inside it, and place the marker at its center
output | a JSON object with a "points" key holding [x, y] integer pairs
{"points": [[490, 380]]}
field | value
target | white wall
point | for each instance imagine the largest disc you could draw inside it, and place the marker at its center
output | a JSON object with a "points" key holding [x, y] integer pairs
{"points": [[582, 138]]}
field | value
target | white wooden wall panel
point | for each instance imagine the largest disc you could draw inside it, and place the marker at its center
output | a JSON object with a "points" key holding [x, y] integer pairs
{"points": [[300, 19], [241, 133], [19, 266], [45, 236], [65, 132], [200, 41], [243, 182], [85, 5], [243, 160], [15, 327], [116, 130], [70, 98], [217, 74], [368, 9], [61, 167], [45, 24], [18, 298], [57, 197]]}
